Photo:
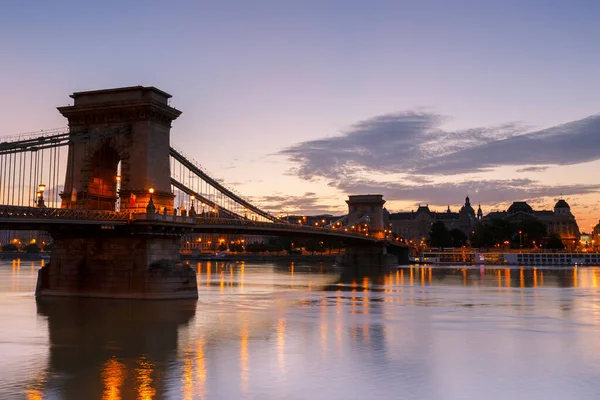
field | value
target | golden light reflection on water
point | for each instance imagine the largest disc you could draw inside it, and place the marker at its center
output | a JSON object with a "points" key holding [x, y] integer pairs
{"points": [[187, 378], [113, 377], [143, 374], [222, 282], [242, 271], [323, 327], [281, 345], [200, 369], [521, 278], [208, 271], [500, 277], [16, 272], [35, 391], [34, 394], [292, 274], [244, 367]]}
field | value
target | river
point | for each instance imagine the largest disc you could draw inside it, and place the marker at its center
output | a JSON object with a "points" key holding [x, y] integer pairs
{"points": [[267, 331]]}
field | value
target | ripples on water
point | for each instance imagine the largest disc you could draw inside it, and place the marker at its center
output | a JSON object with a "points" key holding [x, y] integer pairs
{"points": [[264, 331]]}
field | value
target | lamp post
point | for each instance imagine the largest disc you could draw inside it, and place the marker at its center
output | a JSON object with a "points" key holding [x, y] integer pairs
{"points": [[203, 205], [520, 239], [40, 195], [118, 189], [192, 209], [150, 208]]}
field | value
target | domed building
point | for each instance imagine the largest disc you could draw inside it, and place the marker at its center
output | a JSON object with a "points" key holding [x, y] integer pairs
{"points": [[519, 206], [559, 221], [415, 225], [562, 208], [596, 237], [466, 217]]}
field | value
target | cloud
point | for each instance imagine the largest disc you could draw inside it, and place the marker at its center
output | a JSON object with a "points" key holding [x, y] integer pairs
{"points": [[532, 169], [571, 143], [484, 192], [414, 142], [309, 203]]}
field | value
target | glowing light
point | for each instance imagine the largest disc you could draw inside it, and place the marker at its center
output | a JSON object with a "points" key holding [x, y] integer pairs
{"points": [[144, 379], [113, 377]]}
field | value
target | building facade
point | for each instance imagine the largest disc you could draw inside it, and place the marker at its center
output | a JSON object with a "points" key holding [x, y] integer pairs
{"points": [[415, 225], [560, 221]]}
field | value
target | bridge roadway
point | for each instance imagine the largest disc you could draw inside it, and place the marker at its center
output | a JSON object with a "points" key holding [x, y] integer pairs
{"points": [[56, 219]]}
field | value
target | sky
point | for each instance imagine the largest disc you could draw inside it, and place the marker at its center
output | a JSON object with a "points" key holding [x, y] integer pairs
{"points": [[297, 104]]}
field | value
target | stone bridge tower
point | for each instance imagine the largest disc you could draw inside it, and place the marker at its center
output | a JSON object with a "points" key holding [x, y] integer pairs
{"points": [[367, 208], [145, 117], [360, 260]]}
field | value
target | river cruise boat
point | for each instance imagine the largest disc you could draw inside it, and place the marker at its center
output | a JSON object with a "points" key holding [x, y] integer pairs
{"points": [[506, 258]]}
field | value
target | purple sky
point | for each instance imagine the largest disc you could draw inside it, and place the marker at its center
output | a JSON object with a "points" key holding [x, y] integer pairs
{"points": [[263, 85]]}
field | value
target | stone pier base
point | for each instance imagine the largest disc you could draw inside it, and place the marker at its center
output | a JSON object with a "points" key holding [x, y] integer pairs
{"points": [[113, 265], [366, 259]]}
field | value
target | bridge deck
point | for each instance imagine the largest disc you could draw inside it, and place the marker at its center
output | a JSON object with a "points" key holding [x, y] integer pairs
{"points": [[31, 218]]}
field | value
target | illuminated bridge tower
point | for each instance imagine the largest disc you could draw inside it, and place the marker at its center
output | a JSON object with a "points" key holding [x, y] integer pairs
{"points": [[141, 118], [367, 209], [367, 258], [138, 260]]}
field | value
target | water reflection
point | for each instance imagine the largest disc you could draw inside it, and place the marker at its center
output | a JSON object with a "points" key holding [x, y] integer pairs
{"points": [[294, 331], [122, 349], [522, 277]]}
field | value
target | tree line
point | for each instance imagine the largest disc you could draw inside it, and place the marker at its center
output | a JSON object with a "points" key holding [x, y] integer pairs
{"points": [[525, 234], [289, 245]]}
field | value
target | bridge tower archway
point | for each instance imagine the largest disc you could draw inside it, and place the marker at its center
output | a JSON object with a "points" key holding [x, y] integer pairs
{"points": [[102, 180], [367, 209], [130, 125]]}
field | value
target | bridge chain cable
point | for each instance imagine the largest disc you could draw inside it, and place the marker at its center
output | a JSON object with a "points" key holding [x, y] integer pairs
{"points": [[216, 191], [32, 165]]}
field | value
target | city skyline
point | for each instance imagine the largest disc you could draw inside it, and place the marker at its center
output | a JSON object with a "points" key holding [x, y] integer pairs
{"points": [[298, 106]]}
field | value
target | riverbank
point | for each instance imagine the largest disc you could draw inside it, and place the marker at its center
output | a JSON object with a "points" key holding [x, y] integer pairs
{"points": [[308, 258], [14, 255], [302, 258]]}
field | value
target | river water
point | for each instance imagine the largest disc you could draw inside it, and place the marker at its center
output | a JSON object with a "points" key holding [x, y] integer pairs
{"points": [[266, 331]]}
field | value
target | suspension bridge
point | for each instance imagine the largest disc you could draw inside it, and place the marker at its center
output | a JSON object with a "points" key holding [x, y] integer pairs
{"points": [[116, 196]]}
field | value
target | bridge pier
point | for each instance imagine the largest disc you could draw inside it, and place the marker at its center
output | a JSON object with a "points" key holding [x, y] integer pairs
{"points": [[109, 264], [366, 259]]}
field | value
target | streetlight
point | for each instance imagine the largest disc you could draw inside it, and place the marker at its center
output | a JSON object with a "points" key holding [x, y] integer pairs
{"points": [[150, 208], [521, 239], [192, 209], [40, 195]]}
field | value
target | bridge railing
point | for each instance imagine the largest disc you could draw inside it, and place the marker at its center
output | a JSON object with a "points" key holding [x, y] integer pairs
{"points": [[33, 213], [61, 213], [272, 225]]}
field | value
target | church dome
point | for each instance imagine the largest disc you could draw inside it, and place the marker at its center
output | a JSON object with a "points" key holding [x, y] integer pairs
{"points": [[520, 206], [561, 204]]}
